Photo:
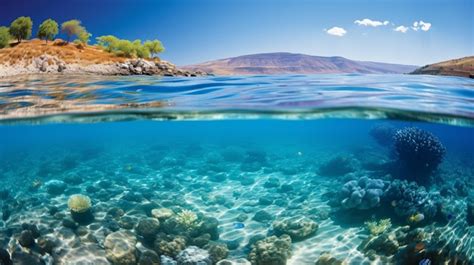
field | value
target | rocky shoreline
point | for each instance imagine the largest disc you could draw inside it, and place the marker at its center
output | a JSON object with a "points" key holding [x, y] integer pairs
{"points": [[48, 64]]}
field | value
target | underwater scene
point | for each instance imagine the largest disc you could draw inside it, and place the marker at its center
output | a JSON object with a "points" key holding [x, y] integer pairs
{"points": [[264, 170]]}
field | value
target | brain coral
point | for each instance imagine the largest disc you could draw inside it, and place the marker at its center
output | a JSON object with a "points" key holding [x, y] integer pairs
{"points": [[79, 203]]}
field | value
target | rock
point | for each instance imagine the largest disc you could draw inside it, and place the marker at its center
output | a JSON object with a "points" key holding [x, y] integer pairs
{"points": [[5, 257], [170, 247], [384, 244], [210, 225], [148, 228], [162, 213], [69, 223], [149, 258], [262, 216], [120, 248], [271, 251], [217, 252], [46, 244], [296, 229], [55, 187], [165, 260], [22, 258], [272, 183], [26, 239], [201, 240], [240, 261], [193, 256], [470, 213], [327, 259]]}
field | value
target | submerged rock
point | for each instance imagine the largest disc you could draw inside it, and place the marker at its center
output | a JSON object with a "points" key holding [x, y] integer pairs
{"points": [[337, 166], [217, 252], [120, 248], [162, 213], [271, 251], [149, 258], [171, 247], [55, 187], [262, 216], [193, 256], [296, 229], [148, 228], [5, 257], [165, 260], [26, 239], [327, 259]]}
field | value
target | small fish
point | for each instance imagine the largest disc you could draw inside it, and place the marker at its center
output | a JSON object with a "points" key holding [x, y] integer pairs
{"points": [[418, 217], [425, 262], [300, 153], [129, 168], [239, 225], [394, 203], [419, 247]]}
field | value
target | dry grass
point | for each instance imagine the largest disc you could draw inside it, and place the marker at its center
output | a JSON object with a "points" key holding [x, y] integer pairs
{"points": [[70, 53]]}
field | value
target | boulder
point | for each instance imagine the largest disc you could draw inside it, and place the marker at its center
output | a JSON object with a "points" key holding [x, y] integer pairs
{"points": [[271, 251], [296, 229], [194, 256], [120, 248]]}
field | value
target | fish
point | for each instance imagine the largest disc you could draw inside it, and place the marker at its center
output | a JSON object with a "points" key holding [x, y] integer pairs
{"points": [[418, 217], [425, 262], [239, 225]]}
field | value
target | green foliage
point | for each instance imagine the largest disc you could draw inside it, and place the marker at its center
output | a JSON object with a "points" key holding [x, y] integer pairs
{"points": [[21, 28], [376, 228], [48, 30], [127, 48], [108, 42], [4, 37], [74, 28], [154, 46]]}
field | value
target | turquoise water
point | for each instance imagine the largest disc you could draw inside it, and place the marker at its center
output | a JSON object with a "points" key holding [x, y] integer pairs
{"points": [[263, 169]]}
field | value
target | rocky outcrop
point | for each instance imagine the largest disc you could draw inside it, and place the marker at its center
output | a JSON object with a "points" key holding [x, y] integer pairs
{"points": [[48, 64], [120, 248]]}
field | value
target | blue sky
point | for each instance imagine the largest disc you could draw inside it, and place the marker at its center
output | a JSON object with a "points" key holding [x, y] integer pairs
{"points": [[197, 31]]}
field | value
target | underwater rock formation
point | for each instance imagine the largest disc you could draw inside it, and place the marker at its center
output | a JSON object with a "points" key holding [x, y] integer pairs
{"points": [[383, 134], [148, 228], [120, 248], [337, 166], [364, 193], [271, 251], [296, 229], [419, 153], [327, 259], [55, 187], [193, 255], [383, 244]]}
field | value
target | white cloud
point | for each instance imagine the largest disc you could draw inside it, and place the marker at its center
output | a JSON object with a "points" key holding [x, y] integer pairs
{"points": [[372, 23], [336, 31], [401, 29], [425, 26]]}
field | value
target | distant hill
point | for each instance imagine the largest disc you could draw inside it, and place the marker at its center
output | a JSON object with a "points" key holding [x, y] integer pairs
{"points": [[457, 67], [293, 63]]}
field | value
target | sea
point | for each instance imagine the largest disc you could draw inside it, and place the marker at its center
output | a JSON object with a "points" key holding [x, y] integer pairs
{"points": [[266, 170]]}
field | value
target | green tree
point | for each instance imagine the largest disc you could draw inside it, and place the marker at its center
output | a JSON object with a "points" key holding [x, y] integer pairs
{"points": [[154, 46], [140, 50], [21, 28], [74, 28], [48, 30], [108, 42], [4, 37]]}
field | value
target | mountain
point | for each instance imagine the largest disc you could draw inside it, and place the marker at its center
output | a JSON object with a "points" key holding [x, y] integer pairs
{"points": [[458, 67], [293, 63]]}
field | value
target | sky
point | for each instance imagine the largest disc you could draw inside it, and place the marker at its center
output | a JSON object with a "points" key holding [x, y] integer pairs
{"points": [[415, 32]]}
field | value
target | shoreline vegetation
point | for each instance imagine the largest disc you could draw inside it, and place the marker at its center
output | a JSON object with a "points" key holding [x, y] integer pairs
{"points": [[19, 54]]}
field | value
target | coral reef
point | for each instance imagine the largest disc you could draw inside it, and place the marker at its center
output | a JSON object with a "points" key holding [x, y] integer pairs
{"points": [[408, 199], [364, 193], [80, 207], [271, 251], [193, 255], [419, 153], [120, 248], [376, 228], [297, 229]]}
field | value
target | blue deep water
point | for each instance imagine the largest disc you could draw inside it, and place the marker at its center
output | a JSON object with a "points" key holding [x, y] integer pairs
{"points": [[324, 169]]}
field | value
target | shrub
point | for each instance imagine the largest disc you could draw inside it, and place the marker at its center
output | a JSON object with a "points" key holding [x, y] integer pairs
{"points": [[4, 37], [127, 48], [48, 30], [21, 28]]}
